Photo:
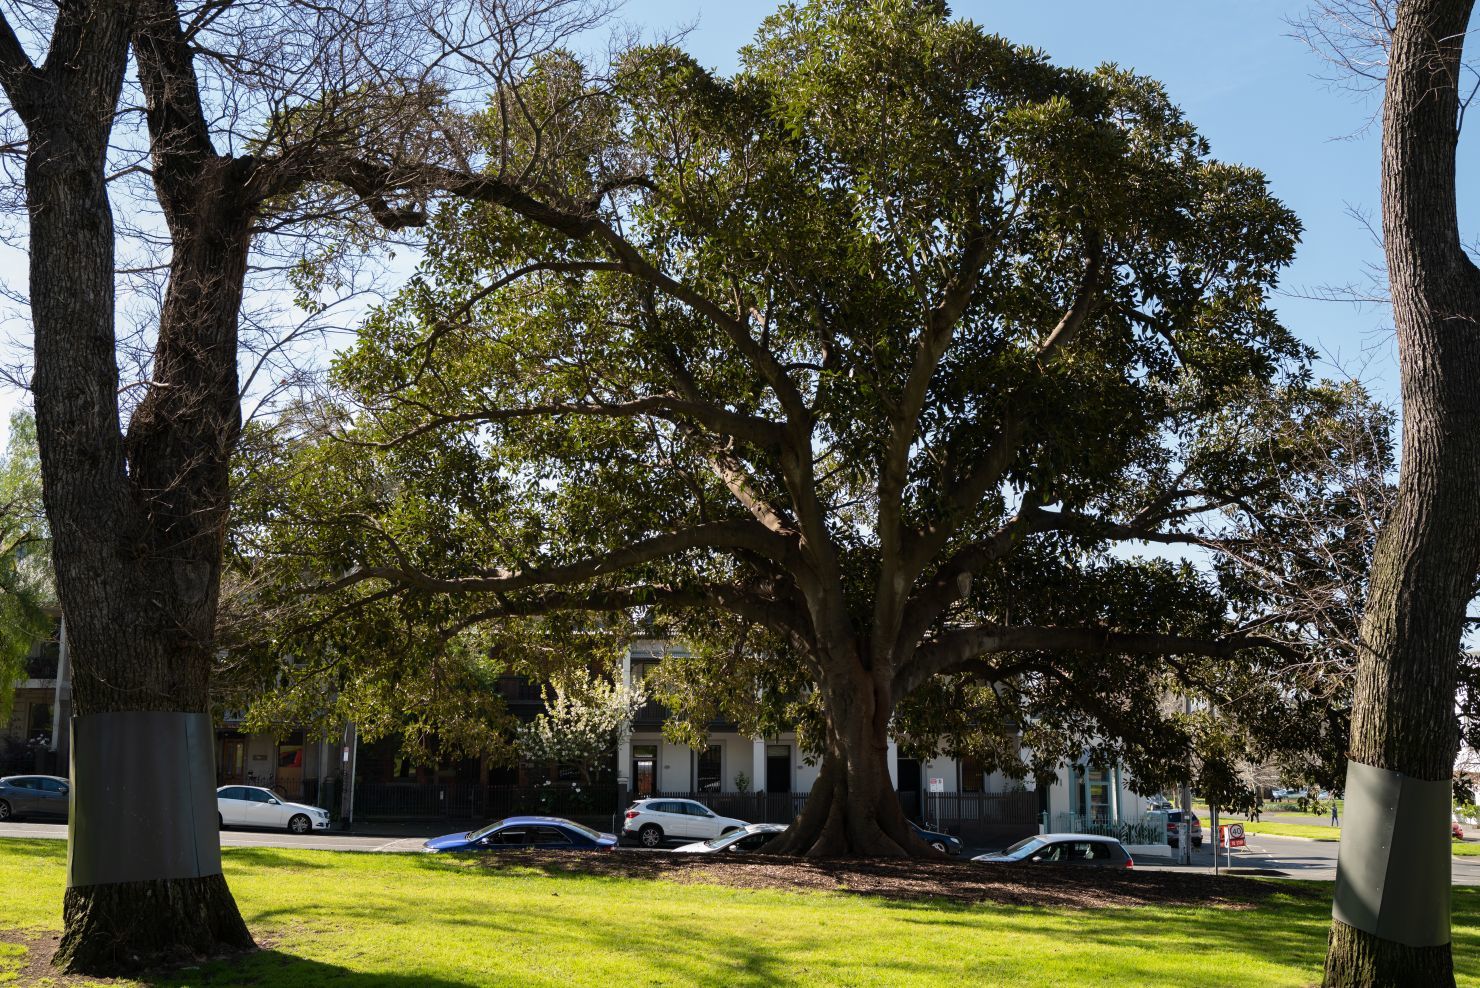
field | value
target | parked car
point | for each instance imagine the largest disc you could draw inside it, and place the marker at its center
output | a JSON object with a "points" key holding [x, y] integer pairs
{"points": [[1456, 831], [253, 806], [652, 822], [751, 837], [1158, 802], [1288, 793], [1088, 850], [550, 833], [33, 796], [944, 843], [1174, 827]]}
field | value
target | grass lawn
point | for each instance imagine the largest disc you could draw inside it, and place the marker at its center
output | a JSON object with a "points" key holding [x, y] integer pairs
{"points": [[397, 921], [1316, 831]]}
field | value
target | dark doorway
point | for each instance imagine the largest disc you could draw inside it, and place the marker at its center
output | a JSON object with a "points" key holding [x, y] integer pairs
{"points": [[778, 768], [909, 787]]}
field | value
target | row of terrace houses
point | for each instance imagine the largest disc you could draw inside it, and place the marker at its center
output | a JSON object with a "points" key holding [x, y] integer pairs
{"points": [[731, 762], [387, 784]]}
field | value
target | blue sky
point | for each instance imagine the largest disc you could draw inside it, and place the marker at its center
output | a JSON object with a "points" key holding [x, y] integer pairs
{"points": [[1250, 88]]}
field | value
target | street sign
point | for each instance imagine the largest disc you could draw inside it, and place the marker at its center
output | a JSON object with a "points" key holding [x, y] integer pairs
{"points": [[1231, 835], [937, 785]]}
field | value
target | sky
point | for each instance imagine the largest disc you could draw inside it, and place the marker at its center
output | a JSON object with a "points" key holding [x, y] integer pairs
{"points": [[1254, 91]]}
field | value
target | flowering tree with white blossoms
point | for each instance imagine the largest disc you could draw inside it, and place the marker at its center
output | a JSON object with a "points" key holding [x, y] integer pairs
{"points": [[586, 717]]}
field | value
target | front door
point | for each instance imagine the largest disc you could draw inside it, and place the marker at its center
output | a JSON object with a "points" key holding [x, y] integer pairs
{"points": [[644, 770], [233, 761], [778, 768], [909, 787]]}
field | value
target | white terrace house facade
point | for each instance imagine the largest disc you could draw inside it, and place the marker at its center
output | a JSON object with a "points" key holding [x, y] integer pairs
{"points": [[647, 764]]}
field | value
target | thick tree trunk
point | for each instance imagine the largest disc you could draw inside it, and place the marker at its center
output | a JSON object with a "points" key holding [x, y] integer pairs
{"points": [[137, 525], [1394, 928], [142, 642], [853, 809]]}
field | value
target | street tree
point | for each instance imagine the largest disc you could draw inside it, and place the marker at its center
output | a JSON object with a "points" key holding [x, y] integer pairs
{"points": [[1391, 915], [884, 351], [241, 137], [586, 717], [25, 577]]}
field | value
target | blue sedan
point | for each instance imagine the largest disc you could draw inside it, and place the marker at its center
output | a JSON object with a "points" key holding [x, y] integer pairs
{"points": [[546, 833], [941, 842]]}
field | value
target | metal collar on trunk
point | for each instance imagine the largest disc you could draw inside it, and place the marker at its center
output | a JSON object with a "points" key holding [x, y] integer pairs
{"points": [[143, 798], [1393, 871]]}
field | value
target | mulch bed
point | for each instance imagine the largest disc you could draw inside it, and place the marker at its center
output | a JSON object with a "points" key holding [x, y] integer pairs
{"points": [[914, 880], [37, 969]]}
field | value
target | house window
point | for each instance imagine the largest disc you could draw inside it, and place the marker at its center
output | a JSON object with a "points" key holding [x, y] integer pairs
{"points": [[1097, 785], [39, 724], [971, 775], [707, 772]]}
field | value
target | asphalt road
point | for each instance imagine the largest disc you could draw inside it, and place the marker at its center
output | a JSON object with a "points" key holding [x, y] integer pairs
{"points": [[1292, 856], [324, 841], [1296, 857]]}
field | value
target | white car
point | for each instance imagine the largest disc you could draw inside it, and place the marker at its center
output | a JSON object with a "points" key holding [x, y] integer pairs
{"points": [[751, 837], [653, 822], [251, 806]]}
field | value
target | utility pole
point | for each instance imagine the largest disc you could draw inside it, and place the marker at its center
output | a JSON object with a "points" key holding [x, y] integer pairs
{"points": [[1184, 832], [347, 775], [1217, 835], [62, 693]]}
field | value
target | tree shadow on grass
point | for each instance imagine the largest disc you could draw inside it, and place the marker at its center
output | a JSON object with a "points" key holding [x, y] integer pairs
{"points": [[277, 969], [269, 857]]}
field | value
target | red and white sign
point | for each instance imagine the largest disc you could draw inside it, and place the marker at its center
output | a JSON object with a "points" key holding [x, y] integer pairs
{"points": [[1231, 835], [937, 785]]}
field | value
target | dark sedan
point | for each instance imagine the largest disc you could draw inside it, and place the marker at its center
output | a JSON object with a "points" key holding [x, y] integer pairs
{"points": [[546, 833], [1090, 850], [944, 843], [33, 796]]}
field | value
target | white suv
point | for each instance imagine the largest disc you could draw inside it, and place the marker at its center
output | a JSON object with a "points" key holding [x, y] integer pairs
{"points": [[651, 822]]}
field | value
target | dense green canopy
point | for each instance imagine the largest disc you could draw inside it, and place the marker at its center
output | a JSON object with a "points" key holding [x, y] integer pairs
{"points": [[864, 369]]}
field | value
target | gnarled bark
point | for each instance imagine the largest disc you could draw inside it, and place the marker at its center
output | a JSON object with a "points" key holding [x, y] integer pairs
{"points": [[133, 925], [1428, 552], [852, 809]]}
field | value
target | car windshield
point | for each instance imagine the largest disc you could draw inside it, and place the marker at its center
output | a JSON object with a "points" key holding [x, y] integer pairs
{"points": [[582, 830], [1024, 847], [725, 840], [480, 834]]}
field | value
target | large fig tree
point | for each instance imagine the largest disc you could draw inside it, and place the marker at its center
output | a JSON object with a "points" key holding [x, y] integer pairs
{"points": [[882, 346]]}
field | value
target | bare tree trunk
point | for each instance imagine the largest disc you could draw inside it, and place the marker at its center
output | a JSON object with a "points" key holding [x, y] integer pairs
{"points": [[1404, 733], [853, 809], [137, 522]]}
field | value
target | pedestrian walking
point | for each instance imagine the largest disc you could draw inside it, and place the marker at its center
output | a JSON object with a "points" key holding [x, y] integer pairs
{"points": [[1334, 821]]}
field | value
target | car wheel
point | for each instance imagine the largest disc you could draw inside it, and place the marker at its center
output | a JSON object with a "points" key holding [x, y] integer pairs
{"points": [[4, 810], [939, 846], [220, 822], [300, 824], [1197, 843], [651, 835]]}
